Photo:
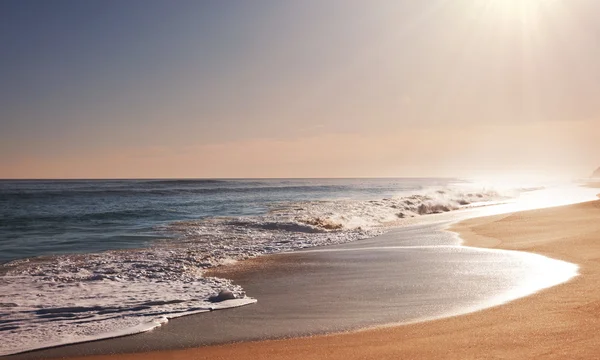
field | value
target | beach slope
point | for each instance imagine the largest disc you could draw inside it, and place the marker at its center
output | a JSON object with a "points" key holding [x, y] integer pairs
{"points": [[560, 322]]}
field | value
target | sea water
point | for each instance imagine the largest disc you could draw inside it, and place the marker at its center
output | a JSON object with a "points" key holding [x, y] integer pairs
{"points": [[85, 260]]}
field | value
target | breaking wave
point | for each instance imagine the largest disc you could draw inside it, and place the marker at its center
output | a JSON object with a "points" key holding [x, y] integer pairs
{"points": [[297, 225]]}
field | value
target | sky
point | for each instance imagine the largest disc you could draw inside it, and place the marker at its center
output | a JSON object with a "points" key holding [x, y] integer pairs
{"points": [[311, 88]]}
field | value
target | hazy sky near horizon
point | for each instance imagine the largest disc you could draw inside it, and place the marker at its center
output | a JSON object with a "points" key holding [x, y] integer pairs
{"points": [[312, 88]]}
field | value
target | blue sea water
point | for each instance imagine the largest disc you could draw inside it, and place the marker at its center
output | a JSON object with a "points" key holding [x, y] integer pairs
{"points": [[46, 217]]}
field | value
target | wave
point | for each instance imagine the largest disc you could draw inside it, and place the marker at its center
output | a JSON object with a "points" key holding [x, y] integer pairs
{"points": [[94, 296], [368, 214], [16, 195], [314, 226], [297, 225]]}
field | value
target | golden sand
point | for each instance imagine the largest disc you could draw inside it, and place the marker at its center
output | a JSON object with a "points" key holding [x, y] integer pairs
{"points": [[562, 322]]}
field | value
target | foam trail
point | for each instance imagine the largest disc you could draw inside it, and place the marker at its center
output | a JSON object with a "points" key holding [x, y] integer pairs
{"points": [[72, 299], [132, 330]]}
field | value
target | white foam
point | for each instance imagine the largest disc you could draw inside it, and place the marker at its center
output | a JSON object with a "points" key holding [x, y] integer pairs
{"points": [[73, 299]]}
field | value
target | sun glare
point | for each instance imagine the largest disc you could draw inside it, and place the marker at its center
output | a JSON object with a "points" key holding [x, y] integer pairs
{"points": [[516, 5], [523, 10]]}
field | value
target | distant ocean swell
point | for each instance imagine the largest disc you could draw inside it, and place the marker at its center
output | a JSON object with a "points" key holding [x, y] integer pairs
{"points": [[74, 298], [128, 192]]}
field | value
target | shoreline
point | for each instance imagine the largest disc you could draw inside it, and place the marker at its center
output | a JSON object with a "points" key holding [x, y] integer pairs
{"points": [[264, 264], [482, 332]]}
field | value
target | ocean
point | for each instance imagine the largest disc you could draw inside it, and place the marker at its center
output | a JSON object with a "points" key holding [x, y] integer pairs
{"points": [[86, 260], [74, 216]]}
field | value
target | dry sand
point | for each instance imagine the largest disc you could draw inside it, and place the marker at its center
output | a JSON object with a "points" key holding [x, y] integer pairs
{"points": [[562, 322]]}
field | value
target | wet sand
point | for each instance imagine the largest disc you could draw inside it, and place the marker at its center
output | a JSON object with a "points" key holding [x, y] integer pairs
{"points": [[560, 322]]}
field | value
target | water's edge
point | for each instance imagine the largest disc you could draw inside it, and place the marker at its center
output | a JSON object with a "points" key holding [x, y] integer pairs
{"points": [[568, 272]]}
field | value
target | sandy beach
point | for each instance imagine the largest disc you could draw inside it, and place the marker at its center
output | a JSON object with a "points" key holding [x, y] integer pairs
{"points": [[560, 322]]}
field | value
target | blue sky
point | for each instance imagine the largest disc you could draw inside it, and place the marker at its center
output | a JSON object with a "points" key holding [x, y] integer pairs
{"points": [[148, 88]]}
